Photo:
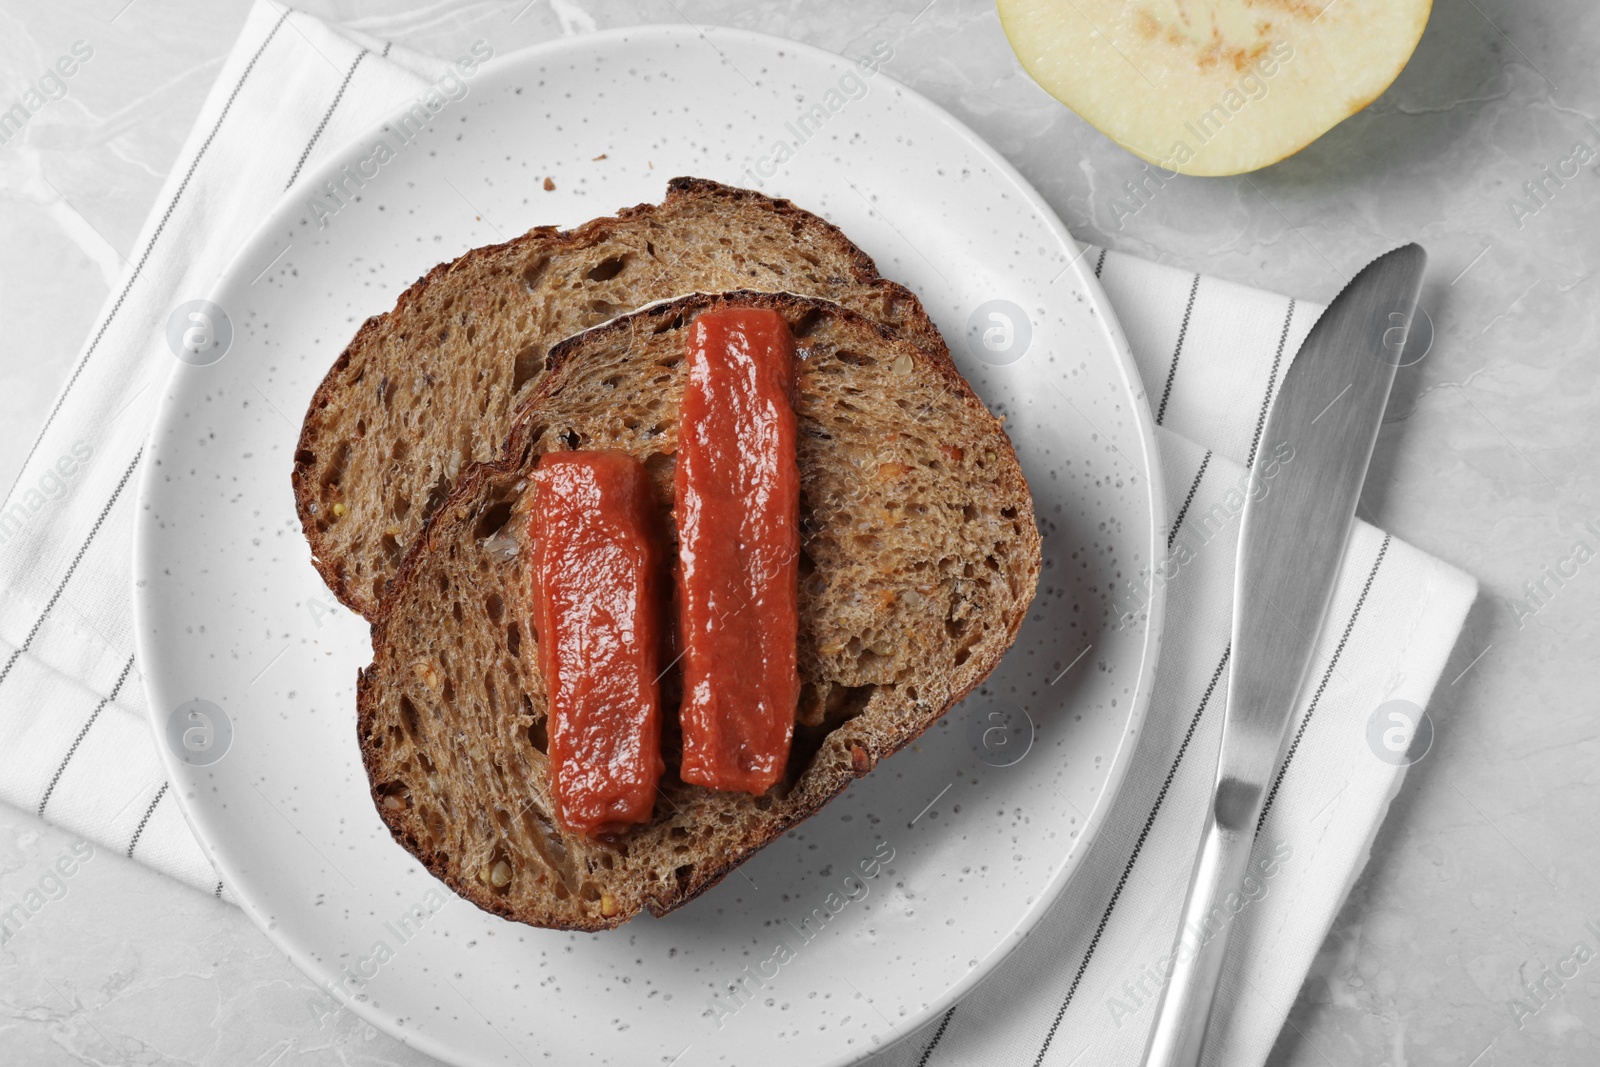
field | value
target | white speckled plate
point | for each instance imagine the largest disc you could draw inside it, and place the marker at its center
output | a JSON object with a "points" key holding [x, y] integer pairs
{"points": [[985, 818]]}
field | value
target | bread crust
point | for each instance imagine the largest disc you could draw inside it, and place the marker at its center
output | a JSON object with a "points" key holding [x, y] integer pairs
{"points": [[324, 431], [891, 728]]}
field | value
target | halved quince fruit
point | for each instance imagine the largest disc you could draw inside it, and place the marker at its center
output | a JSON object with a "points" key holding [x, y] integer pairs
{"points": [[1214, 86]]}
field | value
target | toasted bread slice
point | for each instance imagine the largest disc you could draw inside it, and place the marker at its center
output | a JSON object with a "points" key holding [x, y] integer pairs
{"points": [[919, 560], [429, 387]]}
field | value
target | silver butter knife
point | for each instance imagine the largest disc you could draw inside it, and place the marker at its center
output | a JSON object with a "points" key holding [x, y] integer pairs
{"points": [[1292, 539]]}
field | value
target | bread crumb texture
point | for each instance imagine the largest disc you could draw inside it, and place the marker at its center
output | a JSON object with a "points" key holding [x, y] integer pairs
{"points": [[919, 558]]}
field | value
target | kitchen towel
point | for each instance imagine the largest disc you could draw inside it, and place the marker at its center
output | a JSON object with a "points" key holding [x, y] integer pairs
{"points": [[75, 747]]}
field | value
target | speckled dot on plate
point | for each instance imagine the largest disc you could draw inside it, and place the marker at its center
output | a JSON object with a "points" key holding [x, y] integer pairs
{"points": [[895, 899]]}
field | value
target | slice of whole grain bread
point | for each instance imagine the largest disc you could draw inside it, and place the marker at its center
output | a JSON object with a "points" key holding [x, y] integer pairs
{"points": [[429, 387], [919, 558]]}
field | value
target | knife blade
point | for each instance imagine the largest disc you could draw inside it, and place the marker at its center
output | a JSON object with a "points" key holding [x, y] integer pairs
{"points": [[1292, 540]]}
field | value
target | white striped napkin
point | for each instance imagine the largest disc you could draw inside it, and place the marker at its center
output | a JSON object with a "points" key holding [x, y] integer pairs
{"points": [[75, 748]]}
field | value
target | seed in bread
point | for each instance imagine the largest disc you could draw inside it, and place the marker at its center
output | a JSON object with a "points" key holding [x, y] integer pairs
{"points": [[919, 558]]}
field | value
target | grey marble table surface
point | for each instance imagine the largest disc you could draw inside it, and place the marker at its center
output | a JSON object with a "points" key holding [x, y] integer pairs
{"points": [[1472, 938]]}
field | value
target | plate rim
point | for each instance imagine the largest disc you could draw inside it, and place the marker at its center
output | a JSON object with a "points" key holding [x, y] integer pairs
{"points": [[264, 235]]}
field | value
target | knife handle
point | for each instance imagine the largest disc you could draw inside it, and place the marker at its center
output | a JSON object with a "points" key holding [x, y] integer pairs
{"points": [[1183, 1013]]}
